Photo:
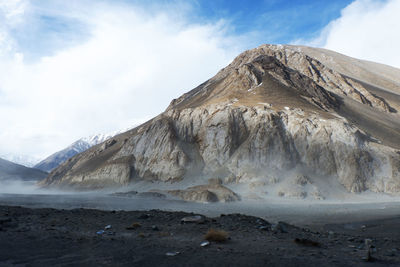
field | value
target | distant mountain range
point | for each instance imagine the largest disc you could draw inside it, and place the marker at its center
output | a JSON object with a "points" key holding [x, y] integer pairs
{"points": [[28, 161], [12, 171], [51, 162]]}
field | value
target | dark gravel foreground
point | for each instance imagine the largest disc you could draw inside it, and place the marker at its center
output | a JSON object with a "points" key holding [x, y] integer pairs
{"points": [[51, 237]]}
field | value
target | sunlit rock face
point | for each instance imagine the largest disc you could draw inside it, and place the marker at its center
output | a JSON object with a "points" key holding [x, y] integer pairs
{"points": [[274, 113]]}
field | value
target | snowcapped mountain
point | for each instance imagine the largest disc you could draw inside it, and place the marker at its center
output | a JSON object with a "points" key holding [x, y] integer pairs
{"points": [[25, 160], [51, 162], [99, 138]]}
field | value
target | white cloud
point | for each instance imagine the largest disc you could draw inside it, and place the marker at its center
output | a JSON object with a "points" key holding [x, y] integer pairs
{"points": [[129, 67], [13, 10], [11, 14], [366, 29]]}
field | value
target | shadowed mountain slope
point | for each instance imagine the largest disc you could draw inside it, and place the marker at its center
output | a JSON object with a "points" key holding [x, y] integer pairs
{"points": [[12, 171]]}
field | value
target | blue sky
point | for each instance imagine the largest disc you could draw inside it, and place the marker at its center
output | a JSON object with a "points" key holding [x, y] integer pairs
{"points": [[273, 21], [69, 69], [277, 21]]}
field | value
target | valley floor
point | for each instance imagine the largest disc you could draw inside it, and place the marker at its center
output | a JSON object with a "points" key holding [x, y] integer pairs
{"points": [[73, 237]]}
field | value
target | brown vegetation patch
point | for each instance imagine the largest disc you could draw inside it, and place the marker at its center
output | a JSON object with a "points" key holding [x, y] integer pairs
{"points": [[216, 235], [133, 226]]}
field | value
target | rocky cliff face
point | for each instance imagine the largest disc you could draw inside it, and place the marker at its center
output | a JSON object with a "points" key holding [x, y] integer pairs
{"points": [[273, 115]]}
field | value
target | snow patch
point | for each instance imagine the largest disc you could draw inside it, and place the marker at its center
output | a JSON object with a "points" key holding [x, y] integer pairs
{"points": [[25, 160]]}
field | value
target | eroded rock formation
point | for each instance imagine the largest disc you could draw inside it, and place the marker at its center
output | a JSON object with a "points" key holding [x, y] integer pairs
{"points": [[274, 113]]}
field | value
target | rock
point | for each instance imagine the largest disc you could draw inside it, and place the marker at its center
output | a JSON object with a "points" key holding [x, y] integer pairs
{"points": [[144, 216], [292, 191], [172, 254], [272, 180], [302, 180], [206, 193], [316, 194], [214, 181], [203, 196], [307, 242], [281, 227], [193, 219], [332, 128], [152, 195], [205, 244]]}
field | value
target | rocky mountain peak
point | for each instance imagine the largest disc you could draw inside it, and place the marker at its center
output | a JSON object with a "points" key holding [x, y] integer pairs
{"points": [[274, 114]]}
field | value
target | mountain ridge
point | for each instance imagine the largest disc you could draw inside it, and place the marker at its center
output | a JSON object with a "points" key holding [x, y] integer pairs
{"points": [[11, 171], [273, 114], [55, 159]]}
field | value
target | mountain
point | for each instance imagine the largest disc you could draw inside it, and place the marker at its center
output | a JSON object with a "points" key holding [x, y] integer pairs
{"points": [[54, 160], [289, 121], [12, 171], [25, 160]]}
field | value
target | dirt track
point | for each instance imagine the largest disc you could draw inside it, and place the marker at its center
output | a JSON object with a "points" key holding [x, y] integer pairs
{"points": [[49, 237]]}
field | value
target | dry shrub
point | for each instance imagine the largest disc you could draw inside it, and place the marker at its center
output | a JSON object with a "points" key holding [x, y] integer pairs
{"points": [[134, 226], [216, 235]]}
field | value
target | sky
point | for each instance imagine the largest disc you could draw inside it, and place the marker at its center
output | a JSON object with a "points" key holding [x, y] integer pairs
{"points": [[70, 69]]}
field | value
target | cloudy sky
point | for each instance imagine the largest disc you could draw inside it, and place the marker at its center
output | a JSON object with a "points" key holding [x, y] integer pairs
{"points": [[69, 69]]}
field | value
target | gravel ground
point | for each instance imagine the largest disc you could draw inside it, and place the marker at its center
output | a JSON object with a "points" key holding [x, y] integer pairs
{"points": [[52, 237]]}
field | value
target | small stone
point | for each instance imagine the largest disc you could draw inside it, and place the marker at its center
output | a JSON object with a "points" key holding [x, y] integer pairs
{"points": [[193, 219], [205, 243], [144, 216], [100, 232], [172, 254]]}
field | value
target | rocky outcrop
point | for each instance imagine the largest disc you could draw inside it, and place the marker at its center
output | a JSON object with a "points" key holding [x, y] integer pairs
{"points": [[324, 76], [273, 112], [206, 193]]}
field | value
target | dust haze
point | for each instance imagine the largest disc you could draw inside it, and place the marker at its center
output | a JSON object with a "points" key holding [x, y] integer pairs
{"points": [[363, 206]]}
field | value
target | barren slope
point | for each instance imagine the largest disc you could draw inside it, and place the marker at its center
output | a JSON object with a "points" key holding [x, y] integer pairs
{"points": [[276, 119], [11, 171]]}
